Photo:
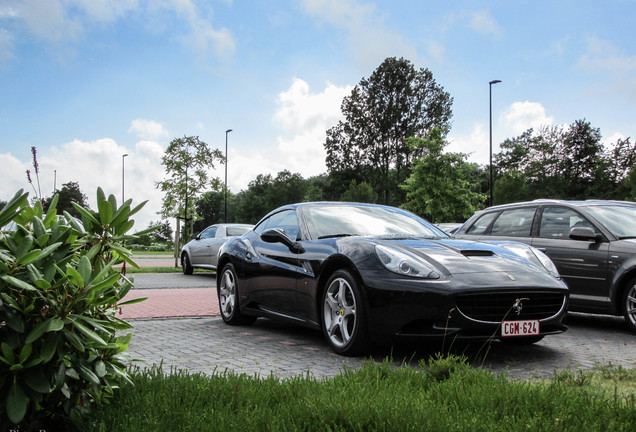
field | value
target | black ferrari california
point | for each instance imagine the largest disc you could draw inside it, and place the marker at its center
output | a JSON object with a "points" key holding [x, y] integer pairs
{"points": [[365, 273]]}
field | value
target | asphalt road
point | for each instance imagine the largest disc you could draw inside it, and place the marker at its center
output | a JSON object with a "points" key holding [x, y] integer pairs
{"points": [[205, 344]]}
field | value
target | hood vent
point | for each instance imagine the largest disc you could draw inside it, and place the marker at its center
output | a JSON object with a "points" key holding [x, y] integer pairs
{"points": [[476, 253]]}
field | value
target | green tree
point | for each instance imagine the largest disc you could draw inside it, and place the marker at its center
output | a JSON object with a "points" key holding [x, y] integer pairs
{"points": [[163, 233], [580, 154], [396, 102], [437, 188], [511, 186], [362, 192], [187, 162], [69, 194], [566, 163], [266, 193]]}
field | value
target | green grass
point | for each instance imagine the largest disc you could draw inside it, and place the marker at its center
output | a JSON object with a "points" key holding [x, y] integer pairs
{"points": [[441, 396]]}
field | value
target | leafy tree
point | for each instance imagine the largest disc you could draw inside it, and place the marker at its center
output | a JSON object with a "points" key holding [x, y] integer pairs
{"points": [[266, 193], [512, 186], [163, 232], [581, 152], [187, 162], [69, 194], [362, 192], [437, 188], [396, 102], [566, 163]]}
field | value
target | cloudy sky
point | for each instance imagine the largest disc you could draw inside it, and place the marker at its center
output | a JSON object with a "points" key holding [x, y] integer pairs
{"points": [[86, 81]]}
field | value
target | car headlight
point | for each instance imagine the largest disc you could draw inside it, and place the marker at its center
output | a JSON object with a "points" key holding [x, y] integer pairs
{"points": [[534, 255], [405, 264]]}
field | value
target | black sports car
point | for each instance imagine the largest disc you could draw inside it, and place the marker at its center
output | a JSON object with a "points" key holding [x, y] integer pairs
{"points": [[365, 273]]}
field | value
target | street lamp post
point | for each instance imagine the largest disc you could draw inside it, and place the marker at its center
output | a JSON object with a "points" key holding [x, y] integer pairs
{"points": [[225, 184], [490, 185], [122, 177]]}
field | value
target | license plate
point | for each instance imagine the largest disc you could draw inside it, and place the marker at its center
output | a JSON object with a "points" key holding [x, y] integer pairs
{"points": [[519, 328]]}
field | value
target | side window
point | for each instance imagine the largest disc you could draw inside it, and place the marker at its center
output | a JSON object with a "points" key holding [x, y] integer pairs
{"points": [[285, 220], [557, 222], [208, 233], [482, 224], [514, 223]]}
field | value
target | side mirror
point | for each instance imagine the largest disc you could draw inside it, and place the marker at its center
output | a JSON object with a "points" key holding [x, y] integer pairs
{"points": [[276, 235], [584, 233]]}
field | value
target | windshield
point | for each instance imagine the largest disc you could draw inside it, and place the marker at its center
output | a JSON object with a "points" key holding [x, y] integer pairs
{"points": [[334, 220], [620, 220]]}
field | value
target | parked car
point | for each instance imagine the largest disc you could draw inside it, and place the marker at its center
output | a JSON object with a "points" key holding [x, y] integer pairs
{"points": [[202, 251], [449, 228], [592, 243], [364, 273]]}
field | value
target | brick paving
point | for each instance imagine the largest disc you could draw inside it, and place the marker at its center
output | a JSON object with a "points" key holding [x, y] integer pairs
{"points": [[178, 327]]}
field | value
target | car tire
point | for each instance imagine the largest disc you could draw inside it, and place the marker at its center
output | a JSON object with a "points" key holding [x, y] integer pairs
{"points": [[228, 294], [343, 315], [522, 340], [628, 303], [185, 264]]}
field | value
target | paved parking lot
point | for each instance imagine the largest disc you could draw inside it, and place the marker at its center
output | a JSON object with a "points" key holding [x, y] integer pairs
{"points": [[201, 342]]}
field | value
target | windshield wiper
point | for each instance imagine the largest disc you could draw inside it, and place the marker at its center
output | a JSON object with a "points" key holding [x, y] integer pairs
{"points": [[627, 237], [334, 236]]}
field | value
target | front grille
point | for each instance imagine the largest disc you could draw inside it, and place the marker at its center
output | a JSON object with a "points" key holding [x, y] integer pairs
{"points": [[497, 306]]}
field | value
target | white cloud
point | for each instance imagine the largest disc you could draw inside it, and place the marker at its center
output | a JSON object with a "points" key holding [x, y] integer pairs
{"points": [[148, 129], [64, 22], [304, 117], [370, 41], [6, 46], [522, 116], [484, 23], [616, 69], [93, 164], [475, 144]]}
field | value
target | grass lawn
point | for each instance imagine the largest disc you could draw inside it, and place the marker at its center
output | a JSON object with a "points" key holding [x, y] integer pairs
{"points": [[444, 394]]}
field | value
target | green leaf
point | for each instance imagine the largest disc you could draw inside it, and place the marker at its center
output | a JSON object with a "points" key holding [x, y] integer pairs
{"points": [[13, 207], [75, 340], [53, 324], [124, 227], [100, 368], [105, 211], [36, 380], [38, 228], [50, 249], [24, 246], [14, 320], [87, 373], [85, 268], [49, 346], [16, 403], [75, 276], [85, 213], [133, 301], [25, 352], [28, 258], [89, 333], [17, 283], [7, 352]]}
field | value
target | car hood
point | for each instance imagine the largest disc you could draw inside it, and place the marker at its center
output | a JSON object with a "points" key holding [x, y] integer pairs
{"points": [[457, 256]]}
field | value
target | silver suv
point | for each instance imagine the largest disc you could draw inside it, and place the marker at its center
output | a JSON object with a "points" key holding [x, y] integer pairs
{"points": [[592, 243]]}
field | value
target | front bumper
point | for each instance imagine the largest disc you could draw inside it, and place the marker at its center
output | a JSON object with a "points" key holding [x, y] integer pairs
{"points": [[462, 307]]}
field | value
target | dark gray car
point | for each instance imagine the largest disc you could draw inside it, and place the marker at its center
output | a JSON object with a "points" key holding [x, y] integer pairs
{"points": [[202, 250], [592, 243]]}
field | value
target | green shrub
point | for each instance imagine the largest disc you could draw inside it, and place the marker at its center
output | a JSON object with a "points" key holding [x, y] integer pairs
{"points": [[59, 295]]}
